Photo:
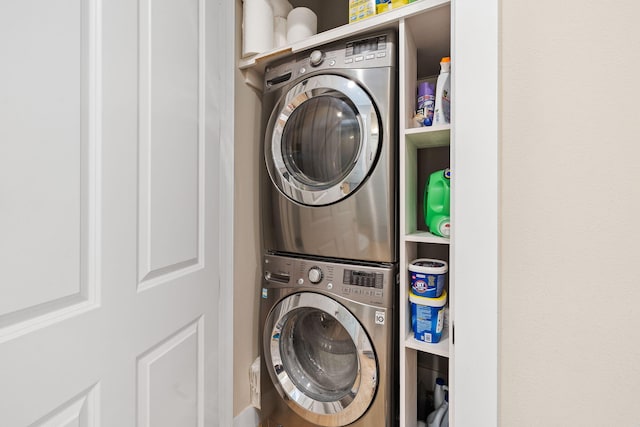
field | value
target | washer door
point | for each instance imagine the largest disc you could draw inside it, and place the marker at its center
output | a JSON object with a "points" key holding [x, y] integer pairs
{"points": [[320, 359], [322, 140]]}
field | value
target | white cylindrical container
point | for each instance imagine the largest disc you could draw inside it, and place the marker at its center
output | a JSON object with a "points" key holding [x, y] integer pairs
{"points": [[281, 8], [301, 23], [257, 27], [280, 31]]}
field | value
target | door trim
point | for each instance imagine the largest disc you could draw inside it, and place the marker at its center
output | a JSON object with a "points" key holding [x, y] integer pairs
{"points": [[221, 67], [475, 207]]}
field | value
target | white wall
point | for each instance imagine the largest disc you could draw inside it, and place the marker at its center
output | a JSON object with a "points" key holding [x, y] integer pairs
{"points": [[246, 232], [570, 213]]}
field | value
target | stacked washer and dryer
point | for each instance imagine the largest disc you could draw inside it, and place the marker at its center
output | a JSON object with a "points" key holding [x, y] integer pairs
{"points": [[329, 191]]}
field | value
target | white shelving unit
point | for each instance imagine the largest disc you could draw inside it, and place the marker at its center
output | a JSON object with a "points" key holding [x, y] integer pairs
{"points": [[424, 39], [386, 20]]}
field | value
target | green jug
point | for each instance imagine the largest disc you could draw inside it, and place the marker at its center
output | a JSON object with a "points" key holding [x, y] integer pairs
{"points": [[437, 202]]}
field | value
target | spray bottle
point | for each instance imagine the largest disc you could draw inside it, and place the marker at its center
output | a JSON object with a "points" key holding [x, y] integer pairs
{"points": [[439, 390]]}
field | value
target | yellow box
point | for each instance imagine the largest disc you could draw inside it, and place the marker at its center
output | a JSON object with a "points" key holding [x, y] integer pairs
{"points": [[361, 9], [387, 5]]}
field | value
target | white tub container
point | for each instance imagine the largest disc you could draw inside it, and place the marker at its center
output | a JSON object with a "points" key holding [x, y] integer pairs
{"points": [[427, 277], [427, 317]]}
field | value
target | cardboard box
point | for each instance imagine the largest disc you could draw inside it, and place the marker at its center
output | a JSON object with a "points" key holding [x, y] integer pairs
{"points": [[387, 5], [361, 9]]}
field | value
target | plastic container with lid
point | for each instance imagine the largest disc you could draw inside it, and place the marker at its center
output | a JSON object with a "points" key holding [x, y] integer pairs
{"points": [[427, 317], [427, 277]]}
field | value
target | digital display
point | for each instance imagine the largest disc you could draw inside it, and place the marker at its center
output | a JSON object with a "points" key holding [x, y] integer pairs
{"points": [[363, 46], [361, 278]]}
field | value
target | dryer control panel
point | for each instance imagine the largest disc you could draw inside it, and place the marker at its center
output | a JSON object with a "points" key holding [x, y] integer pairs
{"points": [[372, 51], [362, 283]]}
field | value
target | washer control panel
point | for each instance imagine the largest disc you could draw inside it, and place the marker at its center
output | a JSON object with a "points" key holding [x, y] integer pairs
{"points": [[363, 283], [368, 49]]}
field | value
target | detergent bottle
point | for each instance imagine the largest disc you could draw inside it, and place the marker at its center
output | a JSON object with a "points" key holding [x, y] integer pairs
{"points": [[437, 203], [442, 109]]}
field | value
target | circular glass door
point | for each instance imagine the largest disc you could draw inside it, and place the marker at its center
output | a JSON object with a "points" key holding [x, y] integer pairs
{"points": [[322, 140], [320, 359]]}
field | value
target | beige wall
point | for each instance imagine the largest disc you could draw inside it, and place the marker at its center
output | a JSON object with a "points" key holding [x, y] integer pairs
{"points": [[570, 213], [246, 231]]}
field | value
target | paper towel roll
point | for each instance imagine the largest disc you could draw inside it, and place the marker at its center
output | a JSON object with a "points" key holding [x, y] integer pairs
{"points": [[280, 31], [301, 23], [281, 8], [257, 27]]}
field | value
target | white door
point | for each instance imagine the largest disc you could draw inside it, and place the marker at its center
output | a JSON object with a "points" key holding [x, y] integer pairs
{"points": [[109, 213]]}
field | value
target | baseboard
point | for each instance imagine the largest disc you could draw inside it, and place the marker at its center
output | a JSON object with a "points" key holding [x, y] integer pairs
{"points": [[249, 417]]}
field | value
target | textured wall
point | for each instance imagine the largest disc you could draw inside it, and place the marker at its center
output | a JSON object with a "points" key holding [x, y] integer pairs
{"points": [[570, 210]]}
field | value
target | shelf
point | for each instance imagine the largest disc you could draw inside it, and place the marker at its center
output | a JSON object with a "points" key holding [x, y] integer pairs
{"points": [[384, 20], [426, 237], [440, 348], [429, 136]]}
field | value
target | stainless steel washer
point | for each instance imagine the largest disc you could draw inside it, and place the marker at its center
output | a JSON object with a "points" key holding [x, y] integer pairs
{"points": [[329, 181], [327, 343]]}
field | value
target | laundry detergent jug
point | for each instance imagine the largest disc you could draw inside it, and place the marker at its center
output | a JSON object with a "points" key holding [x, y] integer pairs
{"points": [[437, 202]]}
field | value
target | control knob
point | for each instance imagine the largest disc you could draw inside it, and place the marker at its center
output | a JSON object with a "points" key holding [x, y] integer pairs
{"points": [[316, 58], [315, 275]]}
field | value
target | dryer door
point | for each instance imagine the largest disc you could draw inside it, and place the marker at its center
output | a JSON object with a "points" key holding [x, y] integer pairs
{"points": [[320, 359], [322, 140]]}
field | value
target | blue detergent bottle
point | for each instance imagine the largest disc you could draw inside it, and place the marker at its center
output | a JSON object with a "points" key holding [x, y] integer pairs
{"points": [[437, 203]]}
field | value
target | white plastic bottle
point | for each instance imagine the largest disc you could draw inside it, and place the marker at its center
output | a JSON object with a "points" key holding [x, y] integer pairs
{"points": [[442, 110], [445, 420], [435, 418], [439, 390]]}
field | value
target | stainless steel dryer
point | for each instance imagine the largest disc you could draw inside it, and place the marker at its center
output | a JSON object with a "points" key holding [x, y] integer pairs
{"points": [[330, 151], [327, 344]]}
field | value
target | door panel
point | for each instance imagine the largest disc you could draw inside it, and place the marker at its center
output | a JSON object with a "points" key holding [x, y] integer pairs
{"points": [[81, 411], [44, 199], [173, 366], [108, 187], [171, 138]]}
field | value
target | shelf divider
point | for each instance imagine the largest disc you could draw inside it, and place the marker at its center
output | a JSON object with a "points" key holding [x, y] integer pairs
{"points": [[426, 237], [440, 348], [429, 136]]}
